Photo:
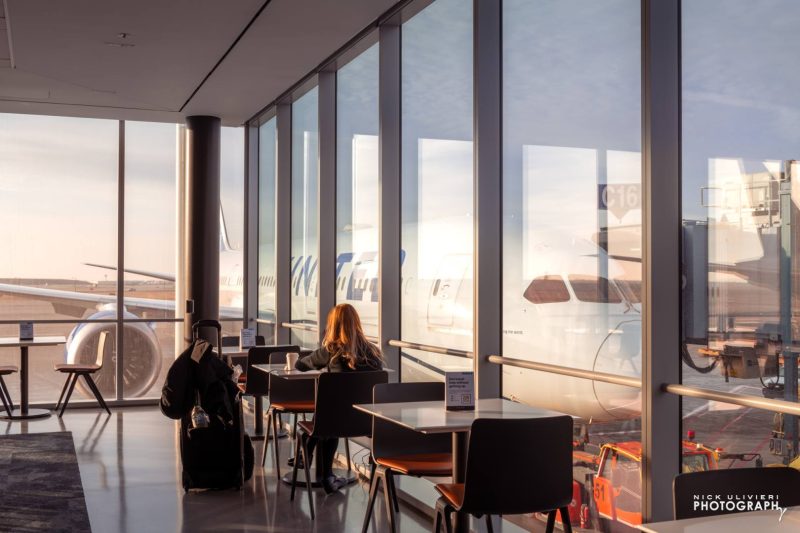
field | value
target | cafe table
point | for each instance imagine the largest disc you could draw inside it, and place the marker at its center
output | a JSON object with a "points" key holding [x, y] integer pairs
{"points": [[769, 521], [432, 417], [24, 412]]}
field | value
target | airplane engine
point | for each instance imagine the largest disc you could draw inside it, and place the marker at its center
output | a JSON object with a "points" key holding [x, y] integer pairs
{"points": [[142, 354]]}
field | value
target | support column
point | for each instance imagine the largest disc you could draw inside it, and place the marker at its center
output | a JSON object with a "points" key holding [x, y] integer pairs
{"points": [[283, 224], [327, 199], [202, 222], [661, 257], [389, 186], [488, 198], [250, 289]]}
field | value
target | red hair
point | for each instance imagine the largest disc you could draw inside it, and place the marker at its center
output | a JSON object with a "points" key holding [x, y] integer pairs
{"points": [[345, 339]]}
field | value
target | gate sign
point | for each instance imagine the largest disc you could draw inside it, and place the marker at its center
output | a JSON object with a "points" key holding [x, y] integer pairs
{"points": [[619, 198]]}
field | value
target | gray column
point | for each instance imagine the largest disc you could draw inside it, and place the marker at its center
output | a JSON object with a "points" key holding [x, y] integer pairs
{"points": [[661, 258], [327, 199], [389, 184], [250, 289], [202, 222], [488, 198], [283, 224]]}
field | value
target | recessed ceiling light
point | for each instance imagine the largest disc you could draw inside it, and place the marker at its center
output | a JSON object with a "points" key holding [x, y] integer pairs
{"points": [[123, 35]]}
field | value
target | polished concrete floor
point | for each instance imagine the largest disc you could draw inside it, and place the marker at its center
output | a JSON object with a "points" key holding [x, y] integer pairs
{"points": [[130, 468]]}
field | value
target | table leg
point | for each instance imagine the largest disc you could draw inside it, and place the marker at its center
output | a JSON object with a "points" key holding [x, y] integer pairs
{"points": [[259, 414], [23, 380], [460, 442]]}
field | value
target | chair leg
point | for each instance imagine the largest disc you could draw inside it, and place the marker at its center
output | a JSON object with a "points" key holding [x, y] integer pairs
{"points": [[437, 521], [489, 526], [386, 475], [90, 382], [3, 394], [373, 492], [347, 453], [393, 490], [551, 521], [294, 468], [276, 456], [69, 393], [64, 389], [304, 449], [567, 526], [266, 438], [447, 511], [8, 395]]}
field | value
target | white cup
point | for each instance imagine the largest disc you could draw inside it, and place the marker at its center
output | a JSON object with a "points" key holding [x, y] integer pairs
{"points": [[291, 359]]}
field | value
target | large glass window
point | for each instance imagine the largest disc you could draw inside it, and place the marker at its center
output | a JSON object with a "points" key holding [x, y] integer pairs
{"points": [[572, 227], [357, 187], [305, 212], [740, 204], [437, 177], [58, 226], [231, 255], [150, 255], [267, 170]]}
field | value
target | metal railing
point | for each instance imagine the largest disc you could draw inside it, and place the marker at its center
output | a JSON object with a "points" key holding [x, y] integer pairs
{"points": [[300, 326], [765, 404], [429, 348], [625, 381]]}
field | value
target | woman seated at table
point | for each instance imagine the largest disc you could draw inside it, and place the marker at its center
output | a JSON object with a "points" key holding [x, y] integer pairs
{"points": [[344, 349]]}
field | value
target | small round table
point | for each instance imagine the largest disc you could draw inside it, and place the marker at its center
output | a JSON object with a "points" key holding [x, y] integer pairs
{"points": [[23, 412]]}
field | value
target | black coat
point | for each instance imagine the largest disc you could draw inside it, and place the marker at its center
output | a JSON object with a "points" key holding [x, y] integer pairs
{"points": [[321, 358]]}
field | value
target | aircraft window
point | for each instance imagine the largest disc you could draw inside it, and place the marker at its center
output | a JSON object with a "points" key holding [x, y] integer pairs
{"points": [[594, 289], [631, 289], [546, 290]]}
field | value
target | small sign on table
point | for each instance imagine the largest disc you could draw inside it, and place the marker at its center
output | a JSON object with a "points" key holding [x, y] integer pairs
{"points": [[26, 331], [459, 391], [247, 338]]}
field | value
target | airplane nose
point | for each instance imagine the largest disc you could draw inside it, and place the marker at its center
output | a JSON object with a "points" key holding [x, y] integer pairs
{"points": [[620, 354]]}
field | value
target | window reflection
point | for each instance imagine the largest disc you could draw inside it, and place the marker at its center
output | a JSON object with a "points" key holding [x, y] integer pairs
{"points": [[357, 172], [436, 217], [267, 169]]}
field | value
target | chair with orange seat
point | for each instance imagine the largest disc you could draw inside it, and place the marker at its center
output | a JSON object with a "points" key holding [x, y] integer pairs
{"points": [[76, 370]]}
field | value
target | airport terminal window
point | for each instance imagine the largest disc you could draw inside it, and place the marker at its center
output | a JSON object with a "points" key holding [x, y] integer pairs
{"points": [[231, 264], [150, 254], [571, 208], [58, 215], [267, 168], [357, 187], [437, 177], [305, 187], [547, 290], [739, 199]]}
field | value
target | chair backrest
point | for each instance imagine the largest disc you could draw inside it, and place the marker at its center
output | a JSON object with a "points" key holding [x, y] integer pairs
{"points": [[289, 390], [390, 440], [258, 381], [518, 466], [233, 340], [709, 493], [334, 415], [102, 344]]}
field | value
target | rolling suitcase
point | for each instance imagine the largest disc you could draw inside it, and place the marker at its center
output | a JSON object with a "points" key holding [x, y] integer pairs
{"points": [[218, 454]]}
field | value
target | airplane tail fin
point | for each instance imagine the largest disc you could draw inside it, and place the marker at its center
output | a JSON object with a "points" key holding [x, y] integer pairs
{"points": [[224, 243]]}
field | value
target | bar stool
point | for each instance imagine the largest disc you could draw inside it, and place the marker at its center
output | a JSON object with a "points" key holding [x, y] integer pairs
{"points": [[536, 478], [5, 370], [400, 451], [285, 397], [334, 416]]}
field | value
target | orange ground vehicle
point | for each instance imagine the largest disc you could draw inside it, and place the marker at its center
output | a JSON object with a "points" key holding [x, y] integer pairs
{"points": [[607, 486]]}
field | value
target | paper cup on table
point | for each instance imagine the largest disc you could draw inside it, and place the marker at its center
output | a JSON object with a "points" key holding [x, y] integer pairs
{"points": [[291, 359]]}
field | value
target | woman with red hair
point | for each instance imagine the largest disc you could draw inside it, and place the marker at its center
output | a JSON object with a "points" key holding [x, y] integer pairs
{"points": [[344, 348]]}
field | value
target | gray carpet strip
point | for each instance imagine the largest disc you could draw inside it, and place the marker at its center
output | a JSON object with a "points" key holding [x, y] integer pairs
{"points": [[40, 484]]}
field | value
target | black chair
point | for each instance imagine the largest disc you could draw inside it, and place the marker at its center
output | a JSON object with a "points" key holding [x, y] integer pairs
{"points": [[76, 370], [285, 397], [334, 416], [231, 341], [736, 483], [400, 451], [536, 475], [257, 384], [5, 370]]}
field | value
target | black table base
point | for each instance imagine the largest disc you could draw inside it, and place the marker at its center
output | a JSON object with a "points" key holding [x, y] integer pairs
{"points": [[17, 414]]}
